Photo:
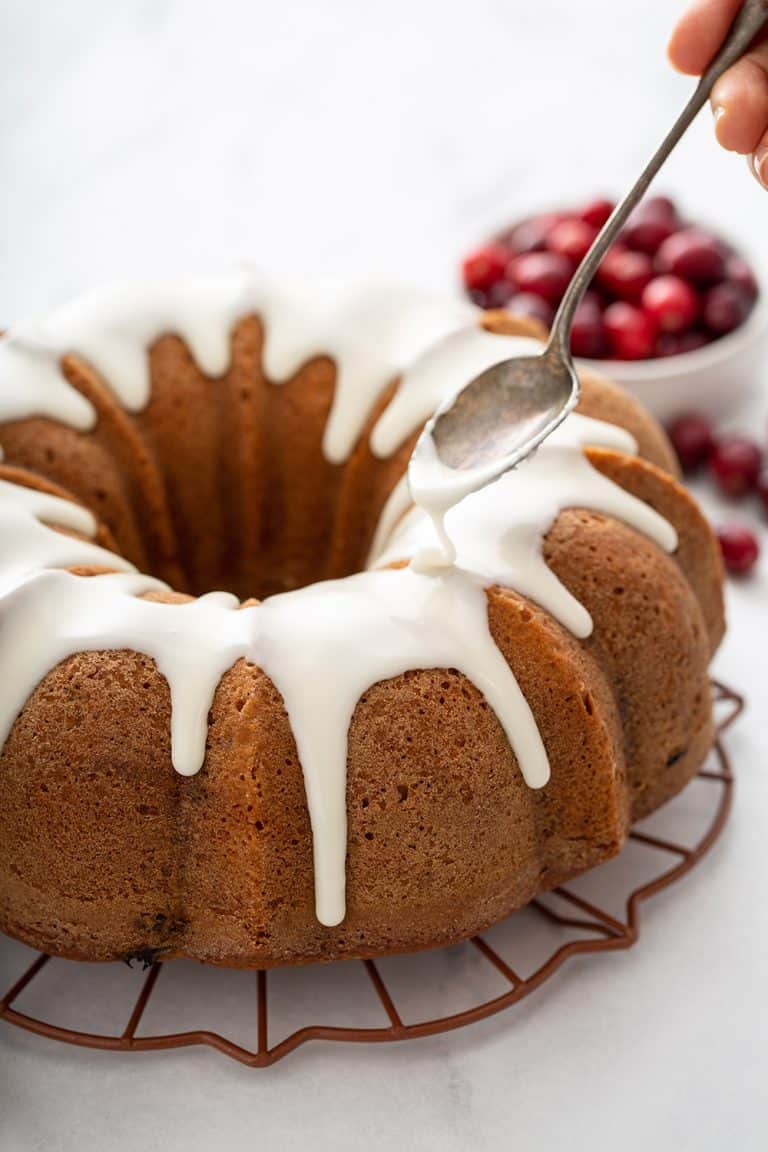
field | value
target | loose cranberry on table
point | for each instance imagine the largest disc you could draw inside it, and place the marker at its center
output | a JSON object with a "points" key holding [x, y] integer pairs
{"points": [[739, 547], [736, 462], [692, 439], [631, 332]]}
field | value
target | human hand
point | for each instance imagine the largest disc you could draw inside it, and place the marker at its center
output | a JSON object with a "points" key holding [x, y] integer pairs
{"points": [[740, 97]]}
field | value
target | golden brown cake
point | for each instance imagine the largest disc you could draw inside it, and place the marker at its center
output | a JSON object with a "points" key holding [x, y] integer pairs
{"points": [[388, 760]]}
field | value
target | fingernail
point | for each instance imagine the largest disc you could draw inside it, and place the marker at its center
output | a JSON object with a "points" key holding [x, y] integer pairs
{"points": [[758, 163]]}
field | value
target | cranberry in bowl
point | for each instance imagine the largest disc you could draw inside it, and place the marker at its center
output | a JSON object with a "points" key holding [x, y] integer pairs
{"points": [[675, 312]]}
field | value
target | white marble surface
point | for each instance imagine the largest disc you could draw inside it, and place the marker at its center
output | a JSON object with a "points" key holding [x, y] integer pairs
{"points": [[381, 139]]}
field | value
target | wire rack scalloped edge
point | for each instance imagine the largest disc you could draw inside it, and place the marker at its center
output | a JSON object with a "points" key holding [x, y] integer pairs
{"points": [[610, 935]]}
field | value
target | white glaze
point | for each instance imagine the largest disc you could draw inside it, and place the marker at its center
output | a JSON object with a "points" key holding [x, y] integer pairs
{"points": [[307, 642], [371, 335], [437, 375], [28, 545], [497, 531]]}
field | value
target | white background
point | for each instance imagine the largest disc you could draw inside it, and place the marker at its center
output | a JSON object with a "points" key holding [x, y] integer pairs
{"points": [[382, 139]]}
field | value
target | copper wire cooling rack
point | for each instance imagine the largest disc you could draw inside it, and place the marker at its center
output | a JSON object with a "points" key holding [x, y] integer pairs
{"points": [[597, 931]]}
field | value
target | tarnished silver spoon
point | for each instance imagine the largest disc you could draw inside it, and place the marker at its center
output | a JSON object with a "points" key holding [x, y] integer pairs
{"points": [[503, 415]]}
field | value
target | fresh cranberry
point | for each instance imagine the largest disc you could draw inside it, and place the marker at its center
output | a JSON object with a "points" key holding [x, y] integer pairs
{"points": [[762, 488], [529, 235], [593, 300], [739, 547], [672, 302], [692, 440], [691, 341], [736, 463], [484, 267], [675, 343], [645, 233], [691, 285], [631, 333], [692, 254], [526, 304], [737, 270], [596, 212], [546, 274], [500, 293], [588, 331], [726, 306], [571, 238], [659, 206], [624, 274], [494, 297]]}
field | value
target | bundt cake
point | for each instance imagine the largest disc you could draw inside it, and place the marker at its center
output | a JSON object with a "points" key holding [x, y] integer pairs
{"points": [[369, 757]]}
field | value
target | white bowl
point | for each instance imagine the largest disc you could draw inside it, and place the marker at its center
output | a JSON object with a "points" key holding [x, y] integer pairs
{"points": [[715, 379]]}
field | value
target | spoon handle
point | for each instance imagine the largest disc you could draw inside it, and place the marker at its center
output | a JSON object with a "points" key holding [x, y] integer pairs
{"points": [[750, 20]]}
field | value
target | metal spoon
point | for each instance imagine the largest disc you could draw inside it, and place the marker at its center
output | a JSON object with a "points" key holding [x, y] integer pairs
{"points": [[503, 415]]}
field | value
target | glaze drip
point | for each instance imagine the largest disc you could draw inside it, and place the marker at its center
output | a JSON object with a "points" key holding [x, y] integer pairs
{"points": [[371, 335], [306, 641], [498, 530]]}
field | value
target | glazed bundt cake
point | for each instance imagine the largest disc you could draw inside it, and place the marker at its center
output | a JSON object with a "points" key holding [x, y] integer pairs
{"points": [[341, 754]]}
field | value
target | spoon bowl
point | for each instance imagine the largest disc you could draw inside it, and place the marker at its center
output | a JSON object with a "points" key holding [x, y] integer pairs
{"points": [[505, 414]]}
